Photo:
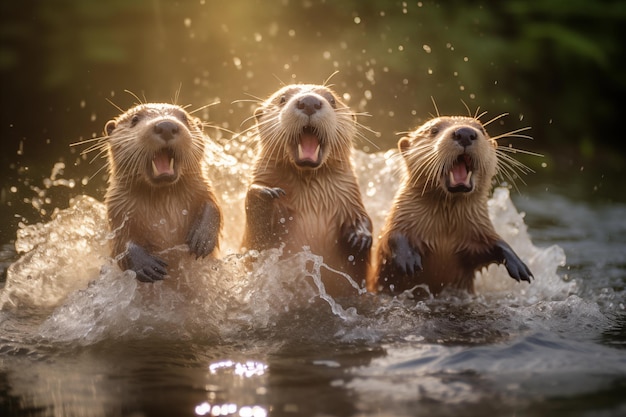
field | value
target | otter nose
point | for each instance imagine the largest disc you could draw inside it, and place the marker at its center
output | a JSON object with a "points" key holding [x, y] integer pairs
{"points": [[166, 129], [464, 136], [309, 104]]}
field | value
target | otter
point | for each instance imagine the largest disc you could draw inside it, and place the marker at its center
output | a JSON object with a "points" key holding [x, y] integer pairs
{"points": [[158, 194], [304, 191], [438, 231]]}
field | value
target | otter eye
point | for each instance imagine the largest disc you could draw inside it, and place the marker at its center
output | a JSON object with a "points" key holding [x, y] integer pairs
{"points": [[434, 130], [134, 120], [283, 100], [183, 117], [331, 99]]}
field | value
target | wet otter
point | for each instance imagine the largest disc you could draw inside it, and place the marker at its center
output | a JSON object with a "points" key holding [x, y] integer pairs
{"points": [[438, 231], [158, 195], [304, 191]]}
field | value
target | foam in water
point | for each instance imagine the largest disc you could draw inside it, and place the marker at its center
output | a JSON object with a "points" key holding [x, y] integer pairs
{"points": [[66, 268]]}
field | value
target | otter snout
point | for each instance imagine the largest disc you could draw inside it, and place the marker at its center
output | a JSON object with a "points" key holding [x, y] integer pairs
{"points": [[465, 136], [309, 104], [166, 129]]}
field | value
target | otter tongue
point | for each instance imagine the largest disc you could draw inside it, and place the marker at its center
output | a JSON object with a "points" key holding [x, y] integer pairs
{"points": [[459, 174], [309, 147], [162, 164]]}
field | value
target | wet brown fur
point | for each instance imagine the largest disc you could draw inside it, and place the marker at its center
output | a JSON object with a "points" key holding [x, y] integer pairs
{"points": [[451, 232], [156, 215], [318, 207]]}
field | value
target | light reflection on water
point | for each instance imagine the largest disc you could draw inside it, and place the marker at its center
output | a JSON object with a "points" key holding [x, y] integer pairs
{"points": [[79, 336]]}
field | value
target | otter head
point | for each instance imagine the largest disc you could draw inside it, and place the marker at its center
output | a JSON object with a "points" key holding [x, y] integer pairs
{"points": [[306, 125], [154, 144], [452, 154]]}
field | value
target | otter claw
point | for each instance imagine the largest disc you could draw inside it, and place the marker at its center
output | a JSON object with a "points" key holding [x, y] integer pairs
{"points": [[361, 240], [516, 268], [149, 268], [405, 257], [272, 193], [359, 235], [203, 236]]}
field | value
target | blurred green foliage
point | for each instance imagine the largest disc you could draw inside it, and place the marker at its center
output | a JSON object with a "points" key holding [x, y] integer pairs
{"points": [[554, 65]]}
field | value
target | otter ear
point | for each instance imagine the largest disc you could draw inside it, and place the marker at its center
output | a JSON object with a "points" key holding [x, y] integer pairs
{"points": [[404, 144], [258, 113], [109, 127]]}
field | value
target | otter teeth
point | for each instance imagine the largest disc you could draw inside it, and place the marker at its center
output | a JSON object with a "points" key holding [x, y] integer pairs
{"points": [[315, 155], [466, 182], [157, 172]]}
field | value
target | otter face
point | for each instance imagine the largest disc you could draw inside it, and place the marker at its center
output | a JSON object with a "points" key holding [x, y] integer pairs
{"points": [[155, 144], [305, 124], [454, 154]]}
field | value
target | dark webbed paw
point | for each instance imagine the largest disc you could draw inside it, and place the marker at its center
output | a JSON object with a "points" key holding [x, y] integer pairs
{"points": [[405, 258], [203, 236], [149, 268], [516, 268], [358, 234], [270, 193]]}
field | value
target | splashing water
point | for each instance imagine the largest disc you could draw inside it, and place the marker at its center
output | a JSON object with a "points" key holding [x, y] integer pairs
{"points": [[67, 266], [459, 349]]}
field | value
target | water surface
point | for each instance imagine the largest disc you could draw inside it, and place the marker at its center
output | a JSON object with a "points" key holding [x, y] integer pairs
{"points": [[79, 337]]}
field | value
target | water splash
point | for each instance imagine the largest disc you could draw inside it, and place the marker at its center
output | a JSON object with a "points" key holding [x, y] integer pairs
{"points": [[66, 270]]}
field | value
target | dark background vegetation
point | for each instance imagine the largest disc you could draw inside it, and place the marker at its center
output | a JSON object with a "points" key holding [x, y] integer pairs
{"points": [[554, 65]]}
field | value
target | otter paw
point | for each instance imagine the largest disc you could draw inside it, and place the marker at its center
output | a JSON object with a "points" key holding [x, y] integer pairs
{"points": [[201, 242], [359, 235], [149, 268], [405, 258], [271, 193], [516, 268], [203, 236]]}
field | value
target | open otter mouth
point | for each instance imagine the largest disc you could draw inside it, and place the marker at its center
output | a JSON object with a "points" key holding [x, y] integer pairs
{"points": [[309, 148], [459, 178], [163, 168]]}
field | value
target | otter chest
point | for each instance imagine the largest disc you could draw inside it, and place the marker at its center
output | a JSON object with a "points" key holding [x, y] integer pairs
{"points": [[164, 226], [313, 221]]}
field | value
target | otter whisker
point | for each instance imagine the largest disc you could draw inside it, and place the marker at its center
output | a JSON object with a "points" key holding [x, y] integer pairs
{"points": [[469, 112], [514, 134], [505, 172], [478, 116], [325, 83], [139, 101], [83, 141], [508, 159], [500, 116], [516, 150], [217, 101], [434, 105], [115, 105]]}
